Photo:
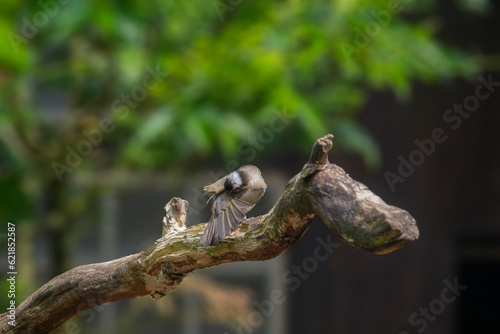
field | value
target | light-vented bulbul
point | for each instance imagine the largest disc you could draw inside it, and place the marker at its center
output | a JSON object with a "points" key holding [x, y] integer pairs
{"points": [[232, 197]]}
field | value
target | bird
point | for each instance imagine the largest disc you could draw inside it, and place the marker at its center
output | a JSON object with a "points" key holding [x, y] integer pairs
{"points": [[232, 197]]}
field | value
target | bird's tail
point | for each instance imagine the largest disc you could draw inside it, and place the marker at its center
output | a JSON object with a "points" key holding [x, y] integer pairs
{"points": [[208, 236], [219, 228]]}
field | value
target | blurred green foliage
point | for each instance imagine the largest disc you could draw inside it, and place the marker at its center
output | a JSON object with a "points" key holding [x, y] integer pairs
{"points": [[229, 65], [222, 69]]}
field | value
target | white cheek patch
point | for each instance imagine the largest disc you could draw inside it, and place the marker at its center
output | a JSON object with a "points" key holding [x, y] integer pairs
{"points": [[235, 179]]}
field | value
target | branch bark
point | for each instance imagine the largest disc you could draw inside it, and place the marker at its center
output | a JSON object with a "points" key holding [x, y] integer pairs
{"points": [[348, 208]]}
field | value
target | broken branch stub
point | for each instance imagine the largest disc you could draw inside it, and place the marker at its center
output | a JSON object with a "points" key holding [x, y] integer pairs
{"points": [[350, 209], [357, 215]]}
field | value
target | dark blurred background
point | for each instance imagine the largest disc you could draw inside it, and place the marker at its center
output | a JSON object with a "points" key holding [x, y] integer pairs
{"points": [[108, 109]]}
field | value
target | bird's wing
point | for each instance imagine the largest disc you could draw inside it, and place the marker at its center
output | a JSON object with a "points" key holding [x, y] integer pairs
{"points": [[227, 213], [215, 188]]}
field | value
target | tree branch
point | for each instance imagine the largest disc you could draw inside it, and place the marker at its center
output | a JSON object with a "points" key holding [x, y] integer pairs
{"points": [[348, 208]]}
